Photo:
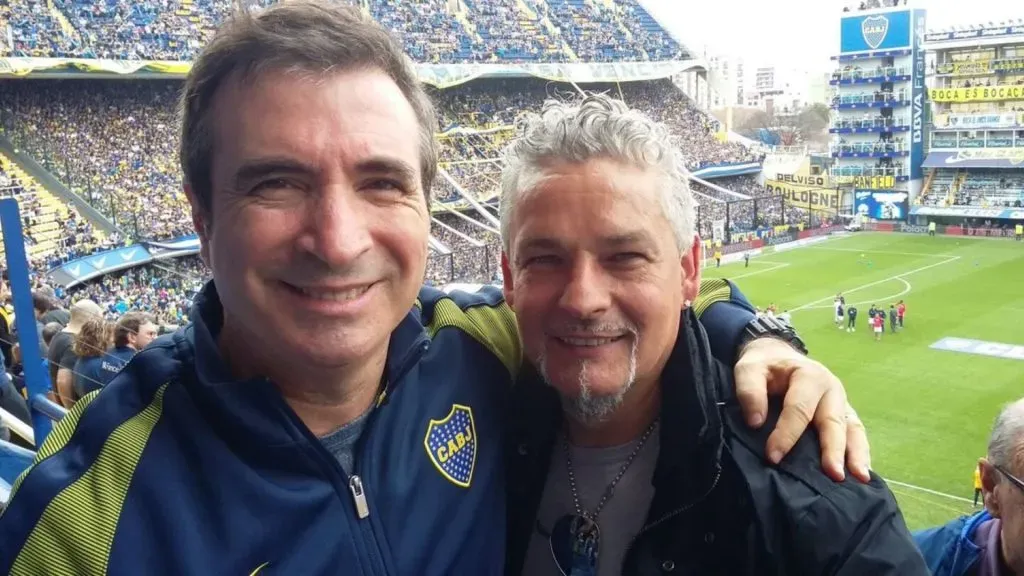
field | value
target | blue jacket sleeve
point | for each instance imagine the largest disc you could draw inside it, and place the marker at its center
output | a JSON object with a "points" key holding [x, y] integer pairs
{"points": [[723, 311]]}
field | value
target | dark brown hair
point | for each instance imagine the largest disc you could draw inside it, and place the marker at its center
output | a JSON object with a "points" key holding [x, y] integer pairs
{"points": [[129, 324], [304, 36]]}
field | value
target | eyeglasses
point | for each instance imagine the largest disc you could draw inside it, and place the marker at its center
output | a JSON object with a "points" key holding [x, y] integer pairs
{"points": [[1013, 479]]}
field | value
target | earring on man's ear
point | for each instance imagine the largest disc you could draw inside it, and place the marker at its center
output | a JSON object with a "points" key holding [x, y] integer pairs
{"points": [[686, 304]]}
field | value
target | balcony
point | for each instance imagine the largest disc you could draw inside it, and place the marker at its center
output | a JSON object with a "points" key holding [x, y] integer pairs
{"points": [[869, 76], [870, 100], [868, 125], [868, 176], [869, 150]]}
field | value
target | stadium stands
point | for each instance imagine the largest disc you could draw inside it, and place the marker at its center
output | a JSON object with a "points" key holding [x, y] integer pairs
{"points": [[976, 187], [52, 231], [432, 31], [761, 210], [112, 143]]}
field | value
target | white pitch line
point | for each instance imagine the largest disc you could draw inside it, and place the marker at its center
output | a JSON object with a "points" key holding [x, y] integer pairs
{"points": [[877, 282], [930, 491], [777, 266], [906, 290], [823, 248]]}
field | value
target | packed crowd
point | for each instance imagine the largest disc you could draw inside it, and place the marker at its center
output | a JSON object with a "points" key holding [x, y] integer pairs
{"points": [[163, 290], [113, 143], [760, 209], [430, 30], [473, 261]]}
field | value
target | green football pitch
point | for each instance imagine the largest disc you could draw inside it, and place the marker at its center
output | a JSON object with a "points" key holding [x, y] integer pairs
{"points": [[928, 412]]}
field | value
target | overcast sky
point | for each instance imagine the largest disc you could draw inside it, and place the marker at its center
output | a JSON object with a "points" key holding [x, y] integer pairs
{"points": [[798, 34]]}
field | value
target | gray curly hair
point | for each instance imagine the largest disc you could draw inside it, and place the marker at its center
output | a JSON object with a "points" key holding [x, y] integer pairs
{"points": [[598, 126]]}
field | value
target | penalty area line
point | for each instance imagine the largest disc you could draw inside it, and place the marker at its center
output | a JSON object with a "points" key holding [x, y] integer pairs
{"points": [[928, 491]]}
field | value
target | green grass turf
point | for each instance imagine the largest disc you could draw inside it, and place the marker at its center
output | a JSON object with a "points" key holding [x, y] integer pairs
{"points": [[928, 412]]}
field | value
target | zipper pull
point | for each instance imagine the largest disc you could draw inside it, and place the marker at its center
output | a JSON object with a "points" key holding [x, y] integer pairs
{"points": [[355, 485]]}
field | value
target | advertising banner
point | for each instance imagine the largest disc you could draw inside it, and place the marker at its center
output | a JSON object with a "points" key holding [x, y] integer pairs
{"points": [[881, 205], [977, 94], [979, 121], [983, 158], [437, 75], [917, 94], [804, 196], [969, 212], [990, 32]]}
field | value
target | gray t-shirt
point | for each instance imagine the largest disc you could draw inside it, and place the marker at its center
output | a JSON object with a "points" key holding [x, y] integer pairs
{"points": [[342, 442], [623, 515]]}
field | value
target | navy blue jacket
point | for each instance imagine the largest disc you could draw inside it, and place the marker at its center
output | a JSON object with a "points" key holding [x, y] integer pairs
{"points": [[176, 468], [949, 549]]}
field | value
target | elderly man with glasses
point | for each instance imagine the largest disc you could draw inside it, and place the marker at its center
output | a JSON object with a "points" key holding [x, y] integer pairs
{"points": [[991, 542]]}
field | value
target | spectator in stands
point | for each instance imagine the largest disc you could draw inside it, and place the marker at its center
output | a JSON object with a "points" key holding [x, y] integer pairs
{"points": [[134, 331], [990, 542], [90, 349], [600, 261], [61, 354]]}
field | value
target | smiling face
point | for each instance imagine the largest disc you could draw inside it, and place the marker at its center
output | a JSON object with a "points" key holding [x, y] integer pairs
{"points": [[319, 226], [597, 281]]}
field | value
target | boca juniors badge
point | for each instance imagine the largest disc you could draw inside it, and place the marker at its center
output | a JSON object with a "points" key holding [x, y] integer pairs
{"points": [[451, 445]]}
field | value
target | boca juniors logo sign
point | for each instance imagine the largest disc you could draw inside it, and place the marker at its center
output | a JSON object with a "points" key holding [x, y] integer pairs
{"points": [[451, 445], [874, 29]]}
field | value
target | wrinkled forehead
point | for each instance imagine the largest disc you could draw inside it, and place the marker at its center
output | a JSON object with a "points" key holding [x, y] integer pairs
{"points": [[581, 206]]}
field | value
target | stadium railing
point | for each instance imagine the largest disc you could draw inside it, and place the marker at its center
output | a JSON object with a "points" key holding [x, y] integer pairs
{"points": [[14, 459]]}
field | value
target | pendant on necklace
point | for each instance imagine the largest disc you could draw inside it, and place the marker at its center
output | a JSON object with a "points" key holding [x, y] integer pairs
{"points": [[575, 542]]}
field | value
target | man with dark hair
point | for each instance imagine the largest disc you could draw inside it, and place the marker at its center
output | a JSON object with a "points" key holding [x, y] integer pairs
{"points": [[341, 416], [133, 332]]}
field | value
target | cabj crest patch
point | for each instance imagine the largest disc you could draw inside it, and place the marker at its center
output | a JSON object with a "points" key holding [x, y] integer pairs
{"points": [[874, 29], [451, 445]]}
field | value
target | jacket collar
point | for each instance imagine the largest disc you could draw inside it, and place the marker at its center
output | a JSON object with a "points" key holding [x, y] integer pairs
{"points": [[253, 410]]}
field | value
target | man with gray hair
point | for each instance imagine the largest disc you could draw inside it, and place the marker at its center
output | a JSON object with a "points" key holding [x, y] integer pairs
{"points": [[627, 452], [990, 542]]}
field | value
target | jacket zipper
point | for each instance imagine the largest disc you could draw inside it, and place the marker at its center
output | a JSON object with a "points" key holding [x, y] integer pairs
{"points": [[355, 485], [362, 454], [676, 512]]}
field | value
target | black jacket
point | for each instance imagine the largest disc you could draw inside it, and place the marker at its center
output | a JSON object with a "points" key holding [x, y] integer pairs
{"points": [[718, 507]]}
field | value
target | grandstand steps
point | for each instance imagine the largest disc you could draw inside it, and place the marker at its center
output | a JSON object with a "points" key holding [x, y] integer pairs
{"points": [[65, 24], [530, 13], [46, 224], [552, 28], [47, 182], [468, 25], [961, 175], [927, 189]]}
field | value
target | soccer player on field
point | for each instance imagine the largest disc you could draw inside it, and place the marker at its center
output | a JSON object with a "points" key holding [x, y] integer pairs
{"points": [[892, 317], [839, 314], [1018, 232], [851, 313], [878, 323], [901, 309]]}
